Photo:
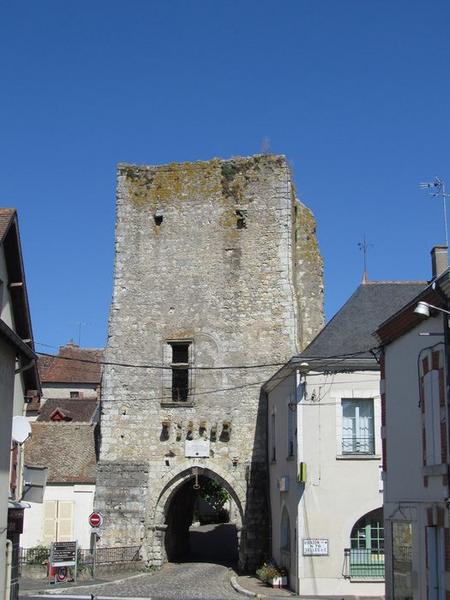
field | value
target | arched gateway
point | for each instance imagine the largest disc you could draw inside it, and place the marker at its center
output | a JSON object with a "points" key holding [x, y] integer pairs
{"points": [[217, 281], [173, 512]]}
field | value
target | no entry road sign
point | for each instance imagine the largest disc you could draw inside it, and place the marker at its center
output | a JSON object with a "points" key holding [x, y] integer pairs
{"points": [[95, 519]]}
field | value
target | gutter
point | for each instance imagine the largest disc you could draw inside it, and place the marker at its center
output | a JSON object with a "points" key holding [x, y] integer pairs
{"points": [[22, 349]]}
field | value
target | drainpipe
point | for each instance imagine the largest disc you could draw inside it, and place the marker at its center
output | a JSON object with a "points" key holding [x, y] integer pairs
{"points": [[9, 558], [29, 365], [300, 389], [447, 381]]}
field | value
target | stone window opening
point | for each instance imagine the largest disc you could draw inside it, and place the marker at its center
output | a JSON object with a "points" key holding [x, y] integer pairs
{"points": [[165, 431], [74, 395], [158, 218], [241, 219], [180, 370], [226, 432]]}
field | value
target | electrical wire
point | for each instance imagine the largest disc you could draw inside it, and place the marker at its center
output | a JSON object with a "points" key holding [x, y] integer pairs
{"points": [[199, 368]]}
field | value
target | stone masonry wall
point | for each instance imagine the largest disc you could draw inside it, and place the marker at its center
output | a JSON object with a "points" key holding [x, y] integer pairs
{"points": [[205, 252], [309, 271]]}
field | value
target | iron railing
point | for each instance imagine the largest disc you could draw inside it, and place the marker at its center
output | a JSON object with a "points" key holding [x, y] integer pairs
{"points": [[364, 564], [103, 556], [358, 445]]}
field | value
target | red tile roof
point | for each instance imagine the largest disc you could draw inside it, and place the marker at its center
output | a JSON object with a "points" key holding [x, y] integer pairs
{"points": [[66, 449], [65, 368], [76, 410], [6, 216]]}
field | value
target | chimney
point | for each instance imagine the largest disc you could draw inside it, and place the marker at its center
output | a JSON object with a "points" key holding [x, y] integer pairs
{"points": [[439, 260]]}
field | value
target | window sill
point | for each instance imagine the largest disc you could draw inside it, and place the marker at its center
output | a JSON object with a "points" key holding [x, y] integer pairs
{"points": [[436, 470], [366, 579], [358, 457], [177, 404]]}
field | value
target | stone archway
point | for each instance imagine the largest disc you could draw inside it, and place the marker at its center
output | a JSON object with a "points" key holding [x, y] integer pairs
{"points": [[172, 513]]}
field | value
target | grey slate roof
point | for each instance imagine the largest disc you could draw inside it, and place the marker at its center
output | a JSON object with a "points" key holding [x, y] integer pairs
{"points": [[351, 329]]}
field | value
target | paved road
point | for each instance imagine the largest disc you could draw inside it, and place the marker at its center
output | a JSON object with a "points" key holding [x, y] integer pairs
{"points": [[184, 581], [204, 576]]}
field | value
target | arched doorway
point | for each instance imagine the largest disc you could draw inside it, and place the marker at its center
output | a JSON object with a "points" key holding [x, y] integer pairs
{"points": [[367, 546], [189, 526]]}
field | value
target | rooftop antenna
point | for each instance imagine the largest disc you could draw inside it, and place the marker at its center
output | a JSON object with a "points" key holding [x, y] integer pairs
{"points": [[80, 325], [265, 145], [437, 188], [364, 246]]}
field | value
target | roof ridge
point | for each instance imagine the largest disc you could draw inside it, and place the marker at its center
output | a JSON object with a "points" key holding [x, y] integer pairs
{"points": [[397, 282]]}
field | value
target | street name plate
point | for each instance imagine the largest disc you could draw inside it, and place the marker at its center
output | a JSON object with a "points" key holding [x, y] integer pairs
{"points": [[315, 547], [196, 448], [63, 554]]}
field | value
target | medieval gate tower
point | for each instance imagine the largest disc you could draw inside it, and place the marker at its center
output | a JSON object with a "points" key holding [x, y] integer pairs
{"points": [[218, 279]]}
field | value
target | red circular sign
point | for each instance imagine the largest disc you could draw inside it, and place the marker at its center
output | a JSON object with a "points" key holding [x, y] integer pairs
{"points": [[95, 519]]}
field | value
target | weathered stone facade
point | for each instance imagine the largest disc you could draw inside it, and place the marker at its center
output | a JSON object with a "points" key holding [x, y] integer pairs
{"points": [[207, 255]]}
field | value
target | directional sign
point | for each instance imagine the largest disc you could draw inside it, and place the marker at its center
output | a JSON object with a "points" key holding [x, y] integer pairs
{"points": [[63, 554], [95, 519]]}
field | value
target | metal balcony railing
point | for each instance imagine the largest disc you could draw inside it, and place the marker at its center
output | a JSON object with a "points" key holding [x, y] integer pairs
{"points": [[358, 445], [364, 564]]}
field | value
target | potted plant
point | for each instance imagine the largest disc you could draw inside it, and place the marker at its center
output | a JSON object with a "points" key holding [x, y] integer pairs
{"points": [[273, 575]]}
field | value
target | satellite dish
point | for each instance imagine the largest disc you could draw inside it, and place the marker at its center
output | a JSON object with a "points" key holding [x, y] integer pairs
{"points": [[21, 429]]}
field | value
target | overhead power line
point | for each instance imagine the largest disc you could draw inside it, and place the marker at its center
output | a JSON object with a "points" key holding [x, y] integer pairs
{"points": [[199, 368]]}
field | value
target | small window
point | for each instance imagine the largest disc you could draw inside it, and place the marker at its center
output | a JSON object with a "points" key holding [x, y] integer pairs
{"points": [[273, 452], [285, 532], [357, 426], [291, 425], [180, 371], [74, 394]]}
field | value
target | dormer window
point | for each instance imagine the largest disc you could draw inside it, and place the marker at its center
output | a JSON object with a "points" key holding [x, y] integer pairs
{"points": [[59, 415]]}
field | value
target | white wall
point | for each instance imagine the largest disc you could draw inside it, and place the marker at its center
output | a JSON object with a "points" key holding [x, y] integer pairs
{"points": [[406, 497], [62, 390], [339, 489], [7, 363], [82, 497]]}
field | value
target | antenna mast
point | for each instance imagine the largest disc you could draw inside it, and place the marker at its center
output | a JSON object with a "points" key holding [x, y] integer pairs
{"points": [[437, 188]]}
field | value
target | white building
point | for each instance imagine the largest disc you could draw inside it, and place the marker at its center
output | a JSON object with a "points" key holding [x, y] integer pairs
{"points": [[416, 443], [324, 418], [65, 440], [18, 380]]}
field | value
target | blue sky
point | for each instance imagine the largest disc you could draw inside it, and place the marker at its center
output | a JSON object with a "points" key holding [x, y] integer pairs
{"points": [[356, 93]]}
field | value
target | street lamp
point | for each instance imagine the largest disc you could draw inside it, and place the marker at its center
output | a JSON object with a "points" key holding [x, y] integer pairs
{"points": [[423, 309]]}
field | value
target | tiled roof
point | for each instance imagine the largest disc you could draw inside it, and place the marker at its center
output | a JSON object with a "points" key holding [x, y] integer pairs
{"points": [[351, 329], [64, 369], [66, 449], [6, 215], [76, 410]]}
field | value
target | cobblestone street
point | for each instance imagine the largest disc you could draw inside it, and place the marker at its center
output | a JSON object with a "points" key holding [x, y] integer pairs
{"points": [[184, 581]]}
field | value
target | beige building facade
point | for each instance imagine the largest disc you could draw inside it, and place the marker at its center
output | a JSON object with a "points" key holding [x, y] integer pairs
{"points": [[324, 448]]}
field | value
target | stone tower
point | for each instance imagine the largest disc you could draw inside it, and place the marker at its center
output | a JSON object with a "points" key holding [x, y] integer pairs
{"points": [[209, 257]]}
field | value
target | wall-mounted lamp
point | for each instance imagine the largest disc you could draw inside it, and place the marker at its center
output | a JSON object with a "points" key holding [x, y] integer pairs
{"points": [[423, 309]]}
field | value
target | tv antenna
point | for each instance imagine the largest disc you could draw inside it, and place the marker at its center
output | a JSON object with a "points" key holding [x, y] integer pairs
{"points": [[436, 188], [364, 247]]}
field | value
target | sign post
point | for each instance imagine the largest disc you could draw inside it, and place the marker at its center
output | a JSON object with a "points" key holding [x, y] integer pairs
{"points": [[95, 520], [62, 555]]}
